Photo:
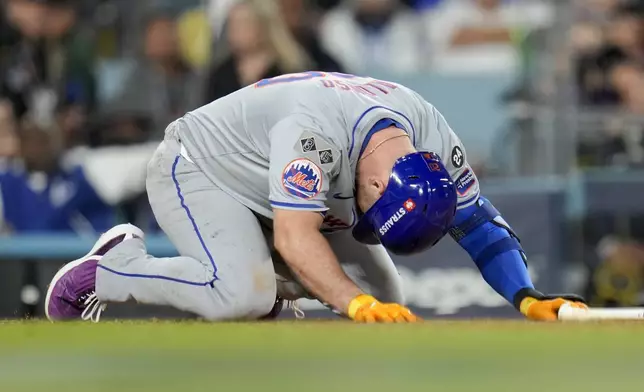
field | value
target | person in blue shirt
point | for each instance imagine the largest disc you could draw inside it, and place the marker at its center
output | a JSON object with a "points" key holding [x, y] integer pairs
{"points": [[38, 195]]}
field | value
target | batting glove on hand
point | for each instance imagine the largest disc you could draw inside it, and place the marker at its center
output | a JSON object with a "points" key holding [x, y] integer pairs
{"points": [[547, 307], [366, 309]]}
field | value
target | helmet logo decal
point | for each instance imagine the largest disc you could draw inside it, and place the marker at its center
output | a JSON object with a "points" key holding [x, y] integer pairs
{"points": [[392, 220], [409, 205], [302, 178]]}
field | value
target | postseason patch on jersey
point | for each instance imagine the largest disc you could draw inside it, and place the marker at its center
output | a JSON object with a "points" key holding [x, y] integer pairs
{"points": [[302, 178], [326, 156], [308, 144], [465, 182]]}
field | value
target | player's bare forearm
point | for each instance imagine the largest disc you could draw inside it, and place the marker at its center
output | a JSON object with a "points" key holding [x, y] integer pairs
{"points": [[312, 260], [308, 254]]}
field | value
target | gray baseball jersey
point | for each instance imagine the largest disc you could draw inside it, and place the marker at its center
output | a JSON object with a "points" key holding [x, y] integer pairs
{"points": [[293, 142]]}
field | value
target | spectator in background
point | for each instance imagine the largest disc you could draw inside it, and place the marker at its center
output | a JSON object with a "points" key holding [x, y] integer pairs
{"points": [[38, 195], [474, 36], [8, 139], [299, 22], [259, 46], [627, 79], [608, 46], [162, 86], [625, 33], [47, 61], [610, 58], [594, 10], [423, 4], [195, 37], [218, 11], [326, 5], [372, 35], [300, 19]]}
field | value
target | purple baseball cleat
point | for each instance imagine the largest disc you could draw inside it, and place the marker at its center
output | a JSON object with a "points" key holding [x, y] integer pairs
{"points": [[72, 292]]}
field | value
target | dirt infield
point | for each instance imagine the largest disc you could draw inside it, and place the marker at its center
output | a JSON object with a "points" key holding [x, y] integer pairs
{"points": [[312, 356]]}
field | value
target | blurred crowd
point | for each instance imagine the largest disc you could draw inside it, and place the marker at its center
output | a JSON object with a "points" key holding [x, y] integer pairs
{"points": [[88, 86], [608, 45]]}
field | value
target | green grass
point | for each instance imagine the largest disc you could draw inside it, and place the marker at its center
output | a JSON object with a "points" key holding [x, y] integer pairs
{"points": [[468, 356]]}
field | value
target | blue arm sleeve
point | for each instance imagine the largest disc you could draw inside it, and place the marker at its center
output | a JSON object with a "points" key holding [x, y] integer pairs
{"points": [[494, 249]]}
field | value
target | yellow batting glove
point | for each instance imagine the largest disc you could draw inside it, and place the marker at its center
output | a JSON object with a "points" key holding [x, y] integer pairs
{"points": [[366, 309], [545, 309]]}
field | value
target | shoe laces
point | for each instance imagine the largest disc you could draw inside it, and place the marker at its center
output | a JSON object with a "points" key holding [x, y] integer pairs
{"points": [[299, 313], [92, 307]]}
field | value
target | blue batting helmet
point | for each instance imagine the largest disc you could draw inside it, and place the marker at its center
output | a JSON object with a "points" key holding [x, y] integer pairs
{"points": [[415, 210]]}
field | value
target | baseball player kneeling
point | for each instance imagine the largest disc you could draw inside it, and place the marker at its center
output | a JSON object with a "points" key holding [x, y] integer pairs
{"points": [[297, 187]]}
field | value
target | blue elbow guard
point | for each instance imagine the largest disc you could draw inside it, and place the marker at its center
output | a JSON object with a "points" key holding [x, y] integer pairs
{"points": [[493, 246], [469, 219]]}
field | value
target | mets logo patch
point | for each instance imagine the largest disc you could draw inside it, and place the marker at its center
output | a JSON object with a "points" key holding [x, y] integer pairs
{"points": [[302, 178]]}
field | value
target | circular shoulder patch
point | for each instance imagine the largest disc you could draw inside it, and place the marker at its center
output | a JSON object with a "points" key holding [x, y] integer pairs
{"points": [[302, 178], [457, 157]]}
